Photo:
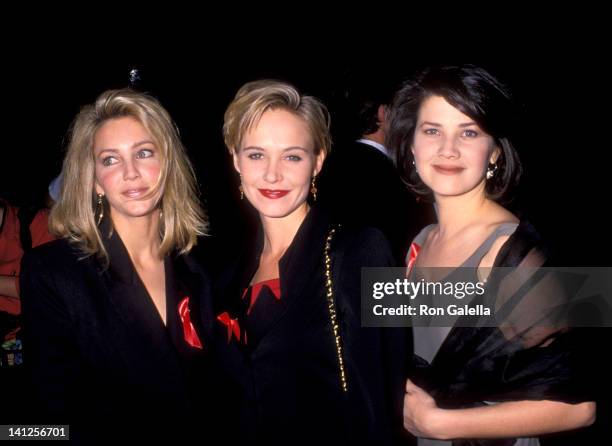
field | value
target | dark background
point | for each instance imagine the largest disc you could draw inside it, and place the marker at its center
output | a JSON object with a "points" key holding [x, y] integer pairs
{"points": [[560, 77], [564, 146]]}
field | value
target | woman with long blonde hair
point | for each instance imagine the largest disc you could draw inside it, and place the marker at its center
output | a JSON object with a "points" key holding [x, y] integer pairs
{"points": [[108, 333]]}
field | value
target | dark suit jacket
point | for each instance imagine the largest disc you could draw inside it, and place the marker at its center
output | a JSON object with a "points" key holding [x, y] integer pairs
{"points": [[360, 185], [98, 353], [287, 388]]}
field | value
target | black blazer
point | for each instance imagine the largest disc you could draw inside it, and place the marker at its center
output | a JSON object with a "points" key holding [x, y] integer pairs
{"points": [[97, 351], [287, 388], [359, 184]]}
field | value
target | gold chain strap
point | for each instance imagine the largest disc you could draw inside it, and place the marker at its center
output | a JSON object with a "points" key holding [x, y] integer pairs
{"points": [[332, 308]]}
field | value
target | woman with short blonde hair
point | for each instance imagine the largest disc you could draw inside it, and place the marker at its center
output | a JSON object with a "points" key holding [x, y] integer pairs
{"points": [[288, 328]]}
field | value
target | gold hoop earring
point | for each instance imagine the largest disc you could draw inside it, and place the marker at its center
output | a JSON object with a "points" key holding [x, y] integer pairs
{"points": [[99, 212], [240, 188]]}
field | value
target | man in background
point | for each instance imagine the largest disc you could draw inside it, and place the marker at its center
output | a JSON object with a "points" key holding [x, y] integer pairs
{"points": [[359, 183]]}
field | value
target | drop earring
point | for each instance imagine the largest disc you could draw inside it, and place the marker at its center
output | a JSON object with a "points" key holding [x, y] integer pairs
{"points": [[313, 187], [491, 170], [99, 212]]}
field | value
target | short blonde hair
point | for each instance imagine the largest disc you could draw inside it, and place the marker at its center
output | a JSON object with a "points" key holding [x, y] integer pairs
{"points": [[73, 218], [253, 99]]}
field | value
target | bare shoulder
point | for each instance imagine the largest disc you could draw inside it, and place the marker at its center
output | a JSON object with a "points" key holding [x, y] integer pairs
{"points": [[500, 216]]}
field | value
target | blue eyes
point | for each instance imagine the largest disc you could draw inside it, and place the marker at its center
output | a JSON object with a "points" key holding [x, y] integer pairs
{"points": [[468, 133], [109, 161], [141, 154], [144, 153], [258, 156]]}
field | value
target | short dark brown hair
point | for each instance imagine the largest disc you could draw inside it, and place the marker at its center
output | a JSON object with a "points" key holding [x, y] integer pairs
{"points": [[474, 92]]}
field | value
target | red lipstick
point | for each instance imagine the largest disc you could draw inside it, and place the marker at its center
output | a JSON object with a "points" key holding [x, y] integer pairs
{"points": [[273, 193]]}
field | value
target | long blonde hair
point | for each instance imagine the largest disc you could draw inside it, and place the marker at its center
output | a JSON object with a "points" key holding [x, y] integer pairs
{"points": [[72, 217]]}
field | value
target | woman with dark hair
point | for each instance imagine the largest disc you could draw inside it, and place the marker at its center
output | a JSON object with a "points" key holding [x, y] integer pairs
{"points": [[451, 130], [108, 336]]}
